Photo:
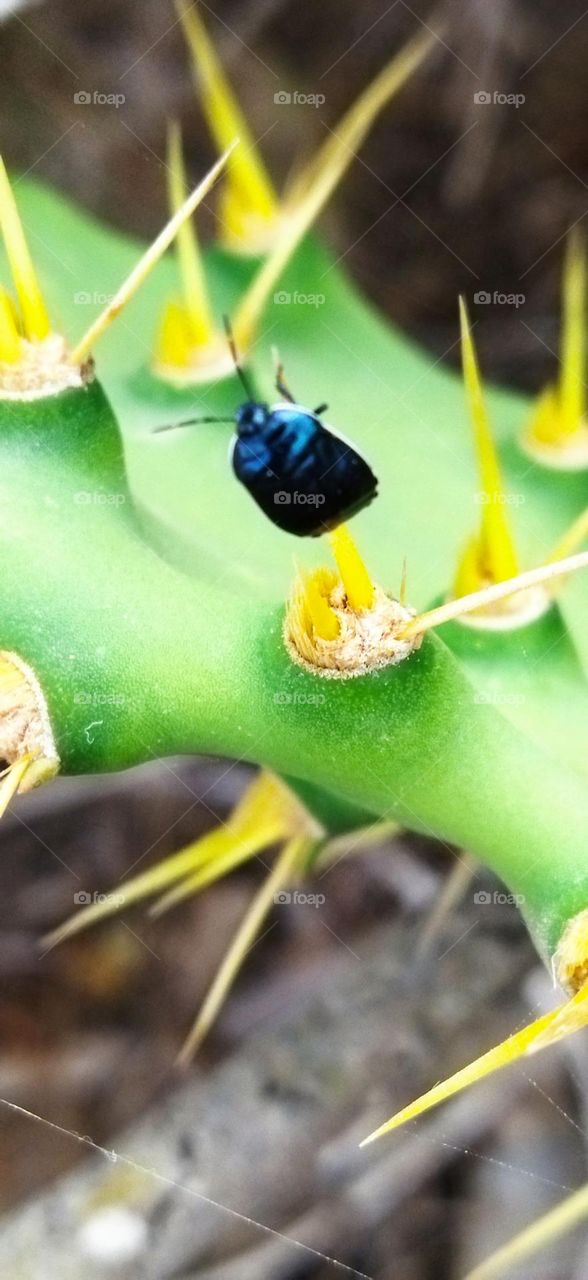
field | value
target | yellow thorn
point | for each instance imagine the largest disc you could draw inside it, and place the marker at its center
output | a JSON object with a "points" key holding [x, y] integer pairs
{"points": [[146, 263], [544, 422], [540, 1034], [249, 201], [174, 345], [192, 276], [356, 580], [363, 838], [358, 119], [403, 582], [9, 336], [452, 892], [309, 613], [289, 861], [572, 538], [140, 887], [572, 395], [322, 619], [34, 315], [549, 1227], [467, 577], [240, 849], [317, 183], [267, 804], [497, 556], [491, 595], [12, 778]]}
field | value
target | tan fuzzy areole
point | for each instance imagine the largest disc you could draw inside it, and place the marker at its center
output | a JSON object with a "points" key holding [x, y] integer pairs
{"points": [[570, 962], [44, 369], [367, 640], [25, 729]]}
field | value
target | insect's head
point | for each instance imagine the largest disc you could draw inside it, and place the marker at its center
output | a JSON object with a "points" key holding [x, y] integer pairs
{"points": [[250, 418]]}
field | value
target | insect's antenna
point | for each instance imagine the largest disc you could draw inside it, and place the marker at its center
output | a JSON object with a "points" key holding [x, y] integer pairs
{"points": [[189, 422], [244, 380]]}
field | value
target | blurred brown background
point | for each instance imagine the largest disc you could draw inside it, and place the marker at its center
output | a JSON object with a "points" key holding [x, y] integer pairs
{"points": [[449, 194], [329, 1025]]}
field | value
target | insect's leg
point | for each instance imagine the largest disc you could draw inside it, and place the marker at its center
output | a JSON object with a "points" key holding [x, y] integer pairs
{"points": [[321, 408]]}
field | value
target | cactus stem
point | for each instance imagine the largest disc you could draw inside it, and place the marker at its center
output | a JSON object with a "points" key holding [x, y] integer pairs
{"points": [[249, 205], [289, 862], [148, 260], [35, 321]]}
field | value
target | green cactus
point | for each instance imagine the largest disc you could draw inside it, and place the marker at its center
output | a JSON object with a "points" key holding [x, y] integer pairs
{"points": [[145, 595]]}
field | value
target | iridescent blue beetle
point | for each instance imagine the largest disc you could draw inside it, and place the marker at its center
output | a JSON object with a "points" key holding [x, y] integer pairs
{"points": [[305, 478]]}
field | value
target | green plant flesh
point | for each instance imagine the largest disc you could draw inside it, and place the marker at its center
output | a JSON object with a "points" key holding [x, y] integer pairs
{"points": [[147, 592]]}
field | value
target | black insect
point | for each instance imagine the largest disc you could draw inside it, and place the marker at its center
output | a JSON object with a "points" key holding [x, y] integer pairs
{"points": [[304, 476]]}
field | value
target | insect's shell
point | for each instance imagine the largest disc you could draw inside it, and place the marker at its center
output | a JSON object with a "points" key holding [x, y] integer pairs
{"points": [[303, 476]]}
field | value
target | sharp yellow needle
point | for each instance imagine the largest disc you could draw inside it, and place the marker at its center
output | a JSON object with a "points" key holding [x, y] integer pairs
{"points": [[289, 861], [145, 265], [34, 315]]}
